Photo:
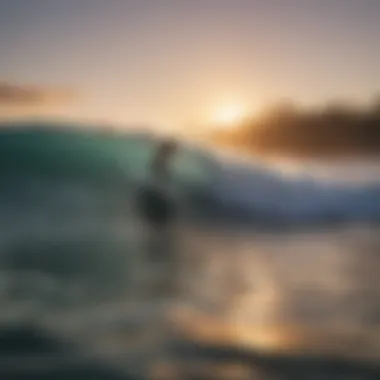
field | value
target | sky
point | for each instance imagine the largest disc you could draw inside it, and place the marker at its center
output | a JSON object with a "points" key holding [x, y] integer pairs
{"points": [[173, 62]]}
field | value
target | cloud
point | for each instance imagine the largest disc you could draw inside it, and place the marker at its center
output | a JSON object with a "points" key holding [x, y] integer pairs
{"points": [[17, 95]]}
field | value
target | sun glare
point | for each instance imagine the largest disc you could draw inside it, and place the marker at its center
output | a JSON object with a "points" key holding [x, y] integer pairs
{"points": [[227, 116]]}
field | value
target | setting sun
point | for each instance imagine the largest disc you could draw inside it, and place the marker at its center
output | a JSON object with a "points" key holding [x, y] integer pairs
{"points": [[228, 115]]}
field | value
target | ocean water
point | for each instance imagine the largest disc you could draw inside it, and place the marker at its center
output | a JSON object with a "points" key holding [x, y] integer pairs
{"points": [[277, 276]]}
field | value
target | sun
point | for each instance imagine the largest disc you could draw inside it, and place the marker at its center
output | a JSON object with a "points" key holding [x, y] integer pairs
{"points": [[229, 115]]}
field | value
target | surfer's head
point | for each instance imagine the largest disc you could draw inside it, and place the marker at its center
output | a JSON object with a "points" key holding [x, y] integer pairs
{"points": [[167, 148]]}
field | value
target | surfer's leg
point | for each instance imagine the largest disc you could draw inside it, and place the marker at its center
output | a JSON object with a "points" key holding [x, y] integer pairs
{"points": [[164, 259]]}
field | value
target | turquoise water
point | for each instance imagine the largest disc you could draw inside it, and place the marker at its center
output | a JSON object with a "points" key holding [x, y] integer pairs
{"points": [[61, 151]]}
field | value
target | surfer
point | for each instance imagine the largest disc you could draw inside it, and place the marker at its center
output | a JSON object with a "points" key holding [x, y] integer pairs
{"points": [[159, 212], [155, 204]]}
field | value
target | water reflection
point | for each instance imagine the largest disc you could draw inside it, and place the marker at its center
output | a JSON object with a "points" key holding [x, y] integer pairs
{"points": [[303, 288], [82, 277]]}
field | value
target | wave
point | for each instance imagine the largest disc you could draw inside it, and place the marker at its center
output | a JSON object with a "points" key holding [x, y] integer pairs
{"points": [[212, 185], [262, 192]]}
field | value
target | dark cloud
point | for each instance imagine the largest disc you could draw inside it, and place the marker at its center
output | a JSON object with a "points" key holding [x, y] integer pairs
{"points": [[29, 95], [333, 130]]}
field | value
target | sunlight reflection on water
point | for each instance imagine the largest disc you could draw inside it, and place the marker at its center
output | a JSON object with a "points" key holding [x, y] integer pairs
{"points": [[293, 289]]}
